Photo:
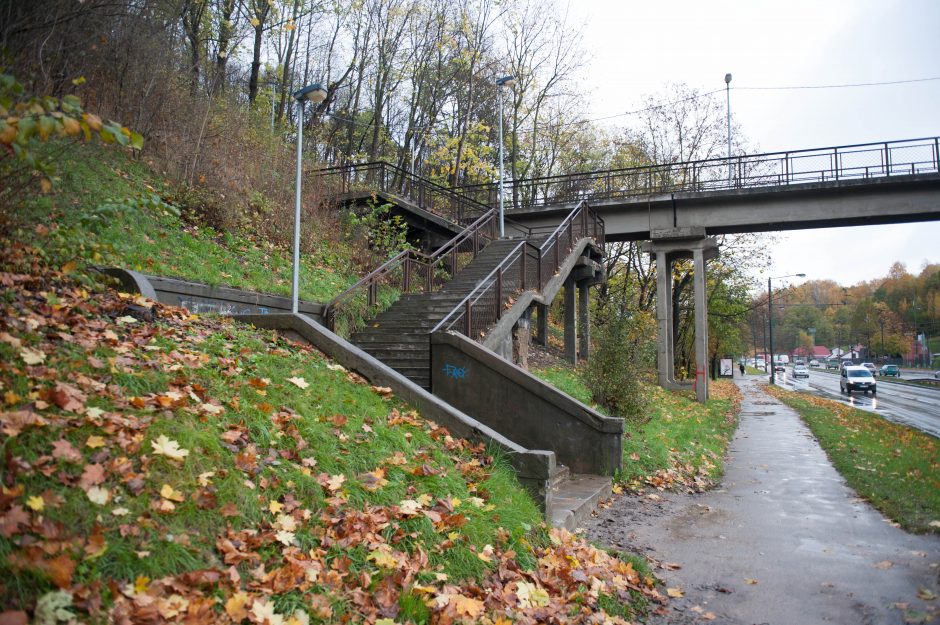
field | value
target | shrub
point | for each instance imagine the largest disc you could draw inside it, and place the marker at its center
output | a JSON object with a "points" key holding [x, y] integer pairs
{"points": [[625, 348]]}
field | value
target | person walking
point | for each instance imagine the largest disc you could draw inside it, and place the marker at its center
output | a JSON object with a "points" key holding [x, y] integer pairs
{"points": [[741, 368]]}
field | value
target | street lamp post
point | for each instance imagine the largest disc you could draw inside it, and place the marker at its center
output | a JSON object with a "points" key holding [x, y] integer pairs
{"points": [[728, 107], [316, 94], [505, 81], [770, 324]]}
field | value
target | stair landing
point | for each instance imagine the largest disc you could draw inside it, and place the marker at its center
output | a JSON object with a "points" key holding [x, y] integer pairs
{"points": [[574, 498]]}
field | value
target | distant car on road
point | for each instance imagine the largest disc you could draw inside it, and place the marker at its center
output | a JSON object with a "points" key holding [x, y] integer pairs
{"points": [[870, 366], [814, 363], [832, 363], [890, 370], [779, 367], [936, 374], [800, 371], [855, 378]]}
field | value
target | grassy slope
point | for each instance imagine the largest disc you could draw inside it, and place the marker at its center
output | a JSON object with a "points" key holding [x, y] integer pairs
{"points": [[317, 494], [680, 445], [108, 210], [895, 467]]}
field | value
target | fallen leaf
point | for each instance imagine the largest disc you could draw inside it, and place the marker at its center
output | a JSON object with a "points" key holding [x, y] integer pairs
{"points": [[35, 503], [169, 448], [467, 606], [670, 566], [235, 606], [32, 356], [530, 595], [675, 593], [168, 492], [926, 594], [98, 495], [884, 564], [749, 581], [298, 382], [95, 441], [64, 450]]}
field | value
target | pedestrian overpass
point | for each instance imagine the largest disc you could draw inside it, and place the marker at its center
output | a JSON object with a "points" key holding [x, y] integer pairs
{"points": [[854, 185]]}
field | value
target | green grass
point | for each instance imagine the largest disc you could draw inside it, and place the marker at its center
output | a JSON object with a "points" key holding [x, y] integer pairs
{"points": [[109, 209], [895, 467], [680, 443]]}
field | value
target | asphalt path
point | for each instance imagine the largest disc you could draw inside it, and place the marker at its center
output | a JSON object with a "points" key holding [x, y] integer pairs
{"points": [[902, 403]]}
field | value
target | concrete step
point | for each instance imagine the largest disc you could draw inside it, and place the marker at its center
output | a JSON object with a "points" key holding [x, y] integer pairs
{"points": [[576, 497]]}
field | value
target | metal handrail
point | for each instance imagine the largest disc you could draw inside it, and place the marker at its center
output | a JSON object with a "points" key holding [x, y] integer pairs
{"points": [[886, 158], [520, 253], [410, 260], [413, 187]]}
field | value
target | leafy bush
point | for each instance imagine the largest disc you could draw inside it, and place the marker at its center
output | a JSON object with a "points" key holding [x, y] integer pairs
{"points": [[27, 120], [624, 353], [387, 234]]}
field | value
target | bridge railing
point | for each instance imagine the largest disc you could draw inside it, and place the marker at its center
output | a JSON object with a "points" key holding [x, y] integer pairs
{"points": [[459, 208], [530, 265], [409, 271], [849, 162]]}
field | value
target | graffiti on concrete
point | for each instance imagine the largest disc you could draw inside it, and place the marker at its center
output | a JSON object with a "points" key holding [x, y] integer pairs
{"points": [[455, 372], [201, 306]]}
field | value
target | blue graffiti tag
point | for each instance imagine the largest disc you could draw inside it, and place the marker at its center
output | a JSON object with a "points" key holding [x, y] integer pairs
{"points": [[453, 371]]}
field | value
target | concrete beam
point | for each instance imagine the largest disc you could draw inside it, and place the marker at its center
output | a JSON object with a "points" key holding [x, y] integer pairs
{"points": [[584, 321], [571, 322], [837, 203]]}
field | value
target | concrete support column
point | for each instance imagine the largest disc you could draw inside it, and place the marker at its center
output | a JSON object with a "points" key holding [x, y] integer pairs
{"points": [[701, 327], [584, 321], [571, 322], [664, 353], [541, 324]]}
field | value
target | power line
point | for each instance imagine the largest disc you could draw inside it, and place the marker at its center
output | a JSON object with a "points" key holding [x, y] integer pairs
{"points": [[842, 86]]}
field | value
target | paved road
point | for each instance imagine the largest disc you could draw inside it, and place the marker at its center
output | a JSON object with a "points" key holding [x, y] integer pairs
{"points": [[902, 403], [783, 541]]}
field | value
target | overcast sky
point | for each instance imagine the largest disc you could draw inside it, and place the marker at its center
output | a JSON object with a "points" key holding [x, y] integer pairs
{"points": [[636, 48]]}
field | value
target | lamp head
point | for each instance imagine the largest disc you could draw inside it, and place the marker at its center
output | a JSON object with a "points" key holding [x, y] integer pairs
{"points": [[727, 79], [315, 93], [506, 81]]}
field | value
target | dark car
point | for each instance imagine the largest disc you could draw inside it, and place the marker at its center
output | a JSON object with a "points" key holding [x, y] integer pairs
{"points": [[890, 370], [779, 367], [857, 379]]}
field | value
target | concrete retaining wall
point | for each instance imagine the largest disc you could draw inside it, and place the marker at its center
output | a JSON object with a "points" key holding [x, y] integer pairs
{"points": [[203, 298], [534, 467], [512, 401]]}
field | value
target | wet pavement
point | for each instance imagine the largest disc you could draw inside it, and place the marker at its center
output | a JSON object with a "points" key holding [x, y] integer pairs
{"points": [[781, 541]]}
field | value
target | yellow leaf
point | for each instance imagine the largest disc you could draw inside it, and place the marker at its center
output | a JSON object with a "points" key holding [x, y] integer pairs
{"points": [[467, 606], [383, 557], [531, 596], [298, 382], [94, 441], [275, 507], [168, 492], [36, 503], [284, 537], [487, 554], [255, 22], [235, 606], [141, 584], [749, 581], [675, 593]]}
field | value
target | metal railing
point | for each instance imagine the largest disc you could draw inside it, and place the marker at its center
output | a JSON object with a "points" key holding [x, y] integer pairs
{"points": [[380, 176], [408, 272], [850, 162], [528, 266]]}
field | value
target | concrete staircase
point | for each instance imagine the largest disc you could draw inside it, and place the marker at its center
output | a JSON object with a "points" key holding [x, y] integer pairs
{"points": [[399, 336]]}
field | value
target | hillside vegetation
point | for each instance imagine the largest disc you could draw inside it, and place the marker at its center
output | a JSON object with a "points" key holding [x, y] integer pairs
{"points": [[164, 467]]}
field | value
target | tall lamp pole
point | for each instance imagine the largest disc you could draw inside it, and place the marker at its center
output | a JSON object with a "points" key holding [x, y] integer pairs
{"points": [[770, 324], [505, 81], [728, 107], [316, 94]]}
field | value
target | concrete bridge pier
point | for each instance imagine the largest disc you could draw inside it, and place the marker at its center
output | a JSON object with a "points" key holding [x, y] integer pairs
{"points": [[668, 247]]}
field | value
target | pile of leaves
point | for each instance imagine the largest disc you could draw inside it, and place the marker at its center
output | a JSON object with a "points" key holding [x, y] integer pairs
{"points": [[161, 467]]}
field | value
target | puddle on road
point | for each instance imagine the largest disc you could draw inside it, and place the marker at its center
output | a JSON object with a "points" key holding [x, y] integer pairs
{"points": [[767, 413]]}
